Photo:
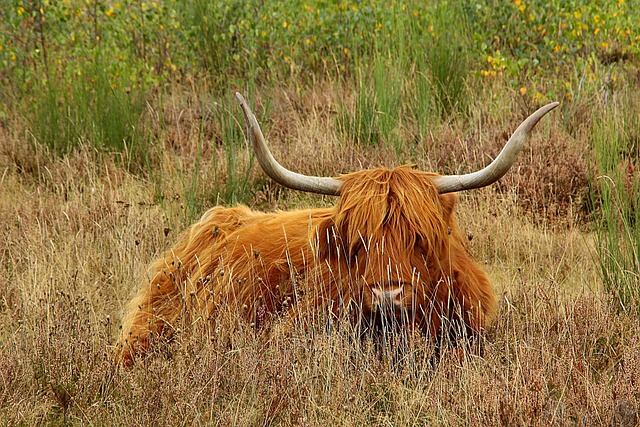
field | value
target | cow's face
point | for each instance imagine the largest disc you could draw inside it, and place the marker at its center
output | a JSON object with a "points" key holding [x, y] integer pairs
{"points": [[389, 237]]}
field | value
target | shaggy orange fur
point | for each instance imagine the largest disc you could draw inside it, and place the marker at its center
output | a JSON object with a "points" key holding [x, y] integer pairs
{"points": [[391, 244]]}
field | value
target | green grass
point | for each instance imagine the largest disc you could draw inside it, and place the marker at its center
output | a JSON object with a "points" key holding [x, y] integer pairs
{"points": [[235, 186], [615, 139], [448, 59], [92, 109], [361, 124]]}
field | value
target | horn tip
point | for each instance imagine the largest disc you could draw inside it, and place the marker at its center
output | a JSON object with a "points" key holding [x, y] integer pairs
{"points": [[240, 98], [551, 106]]}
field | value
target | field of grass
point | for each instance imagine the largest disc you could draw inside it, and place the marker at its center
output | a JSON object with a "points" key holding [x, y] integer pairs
{"points": [[118, 128]]}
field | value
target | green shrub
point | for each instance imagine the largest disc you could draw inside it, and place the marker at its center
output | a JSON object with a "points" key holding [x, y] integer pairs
{"points": [[527, 41]]}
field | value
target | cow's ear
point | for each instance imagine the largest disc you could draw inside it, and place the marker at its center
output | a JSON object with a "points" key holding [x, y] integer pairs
{"points": [[326, 239], [448, 202]]}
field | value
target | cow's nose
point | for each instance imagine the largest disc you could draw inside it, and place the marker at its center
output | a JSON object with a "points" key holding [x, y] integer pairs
{"points": [[387, 296]]}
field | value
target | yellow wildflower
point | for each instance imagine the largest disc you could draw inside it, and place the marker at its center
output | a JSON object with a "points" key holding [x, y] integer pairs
{"points": [[523, 90]]}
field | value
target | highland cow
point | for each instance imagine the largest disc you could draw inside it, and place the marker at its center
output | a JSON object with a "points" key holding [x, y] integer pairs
{"points": [[389, 250]]}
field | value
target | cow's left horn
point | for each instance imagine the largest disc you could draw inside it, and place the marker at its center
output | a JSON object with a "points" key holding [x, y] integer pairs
{"points": [[501, 164], [283, 176]]}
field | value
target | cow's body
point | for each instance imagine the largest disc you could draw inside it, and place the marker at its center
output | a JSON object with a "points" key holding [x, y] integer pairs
{"points": [[389, 250], [390, 246]]}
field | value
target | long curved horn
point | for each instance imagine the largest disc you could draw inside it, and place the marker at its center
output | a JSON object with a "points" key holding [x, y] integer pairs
{"points": [[285, 177], [501, 164]]}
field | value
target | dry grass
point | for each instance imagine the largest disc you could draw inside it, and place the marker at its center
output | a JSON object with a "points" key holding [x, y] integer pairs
{"points": [[77, 233]]}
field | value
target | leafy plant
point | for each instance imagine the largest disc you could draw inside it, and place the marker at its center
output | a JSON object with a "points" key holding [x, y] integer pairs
{"points": [[526, 40]]}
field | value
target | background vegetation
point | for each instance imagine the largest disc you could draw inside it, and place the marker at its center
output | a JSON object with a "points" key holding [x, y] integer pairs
{"points": [[118, 128]]}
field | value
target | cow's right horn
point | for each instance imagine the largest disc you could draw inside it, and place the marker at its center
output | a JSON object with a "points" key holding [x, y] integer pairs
{"points": [[501, 164], [283, 176]]}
